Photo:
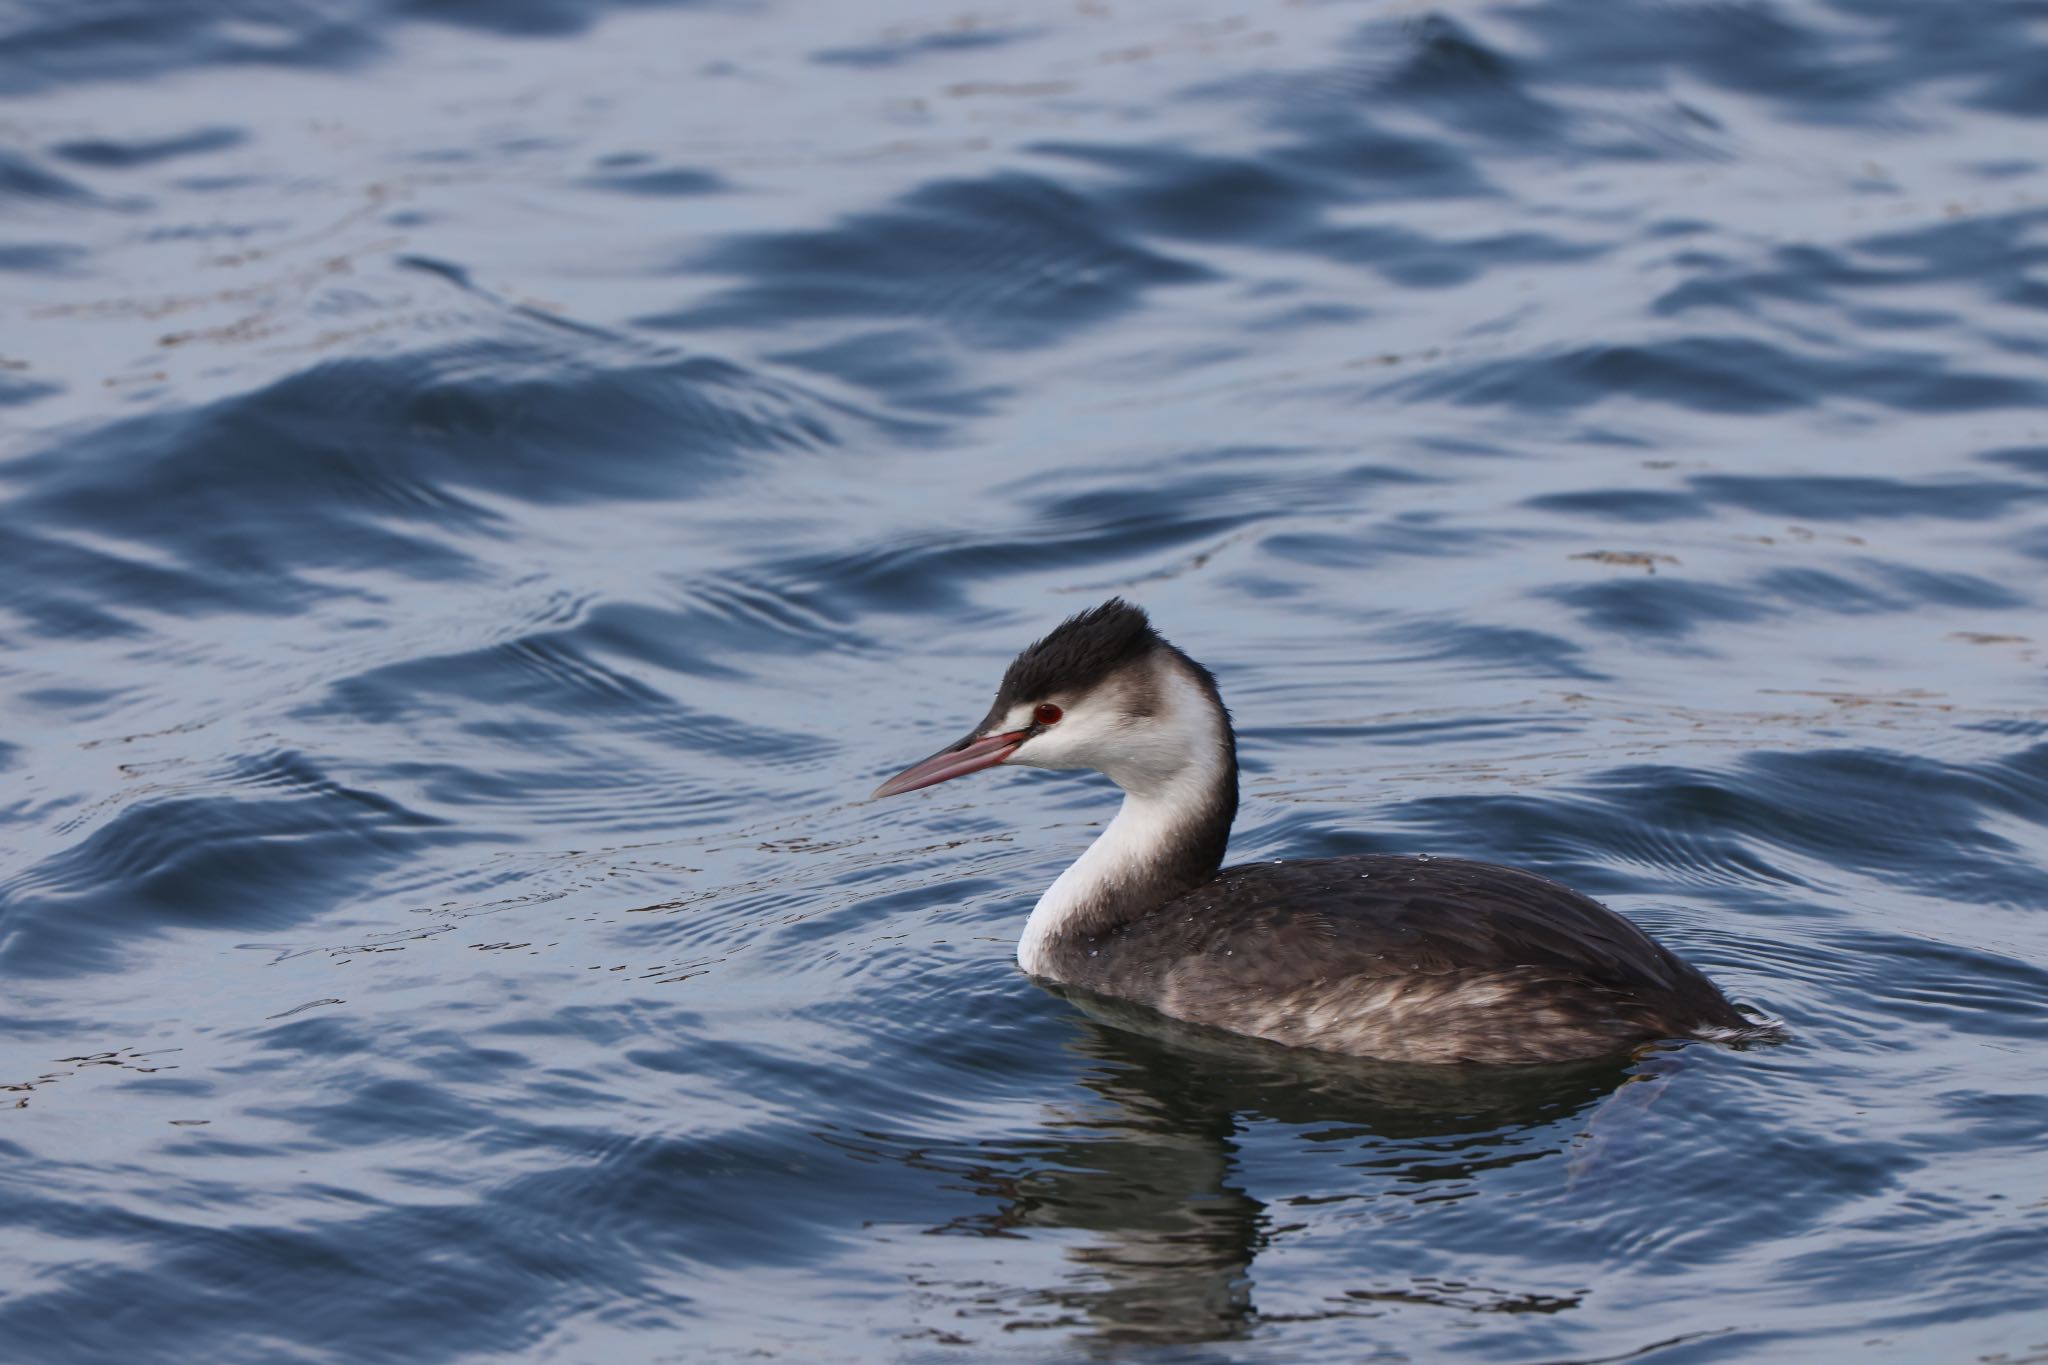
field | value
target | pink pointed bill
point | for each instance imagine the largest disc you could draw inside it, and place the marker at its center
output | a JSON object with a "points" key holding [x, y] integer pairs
{"points": [[956, 760]]}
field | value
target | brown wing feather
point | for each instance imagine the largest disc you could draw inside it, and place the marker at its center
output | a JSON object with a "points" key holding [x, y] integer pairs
{"points": [[1278, 949], [1397, 916]]}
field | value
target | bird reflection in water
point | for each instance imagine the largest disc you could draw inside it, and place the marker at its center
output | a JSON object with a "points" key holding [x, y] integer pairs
{"points": [[1152, 1173]]}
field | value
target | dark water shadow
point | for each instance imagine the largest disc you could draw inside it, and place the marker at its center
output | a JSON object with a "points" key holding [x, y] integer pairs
{"points": [[1154, 1173]]}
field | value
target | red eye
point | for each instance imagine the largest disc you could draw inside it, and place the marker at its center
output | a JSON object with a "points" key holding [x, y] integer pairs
{"points": [[1046, 714]]}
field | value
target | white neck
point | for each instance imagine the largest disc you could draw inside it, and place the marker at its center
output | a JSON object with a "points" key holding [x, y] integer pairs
{"points": [[1135, 831], [1125, 858]]}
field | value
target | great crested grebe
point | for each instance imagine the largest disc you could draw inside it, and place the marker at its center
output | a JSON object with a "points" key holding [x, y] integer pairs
{"points": [[1407, 959]]}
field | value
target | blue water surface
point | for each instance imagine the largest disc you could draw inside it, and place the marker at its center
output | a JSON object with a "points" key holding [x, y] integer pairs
{"points": [[486, 488]]}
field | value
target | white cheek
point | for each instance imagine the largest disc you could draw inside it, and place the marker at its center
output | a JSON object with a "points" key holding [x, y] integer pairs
{"points": [[1073, 742], [1183, 740]]}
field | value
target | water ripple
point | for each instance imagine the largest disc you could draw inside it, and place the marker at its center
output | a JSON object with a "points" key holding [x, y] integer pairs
{"points": [[1011, 261], [475, 524]]}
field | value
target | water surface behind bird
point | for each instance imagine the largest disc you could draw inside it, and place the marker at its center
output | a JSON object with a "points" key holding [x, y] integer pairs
{"points": [[487, 490]]}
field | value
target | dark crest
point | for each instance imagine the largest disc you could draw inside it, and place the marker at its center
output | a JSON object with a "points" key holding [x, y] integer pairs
{"points": [[1079, 653]]}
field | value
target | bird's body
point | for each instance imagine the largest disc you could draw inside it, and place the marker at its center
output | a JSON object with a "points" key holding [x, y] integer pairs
{"points": [[1413, 959]]}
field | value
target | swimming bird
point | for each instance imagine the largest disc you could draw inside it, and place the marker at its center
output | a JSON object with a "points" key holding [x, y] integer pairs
{"points": [[1400, 958]]}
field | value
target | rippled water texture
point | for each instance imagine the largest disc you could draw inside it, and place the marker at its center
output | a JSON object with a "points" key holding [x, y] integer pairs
{"points": [[487, 488]]}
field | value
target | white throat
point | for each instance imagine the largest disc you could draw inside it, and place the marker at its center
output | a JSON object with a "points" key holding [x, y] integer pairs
{"points": [[1159, 804], [1117, 858]]}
